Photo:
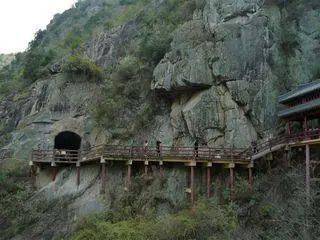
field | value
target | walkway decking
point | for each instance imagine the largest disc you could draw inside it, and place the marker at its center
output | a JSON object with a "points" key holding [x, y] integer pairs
{"points": [[203, 156], [175, 154], [138, 153]]}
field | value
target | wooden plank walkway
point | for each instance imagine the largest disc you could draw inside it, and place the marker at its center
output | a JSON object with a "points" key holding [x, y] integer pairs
{"points": [[176, 154], [138, 154]]}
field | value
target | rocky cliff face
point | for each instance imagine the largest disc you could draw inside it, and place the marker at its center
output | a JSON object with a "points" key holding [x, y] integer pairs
{"points": [[228, 65], [5, 59], [225, 69], [46, 108], [223, 73]]}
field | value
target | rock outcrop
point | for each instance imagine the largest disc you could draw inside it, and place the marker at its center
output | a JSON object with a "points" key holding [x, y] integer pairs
{"points": [[221, 78], [47, 108], [224, 68], [6, 59]]}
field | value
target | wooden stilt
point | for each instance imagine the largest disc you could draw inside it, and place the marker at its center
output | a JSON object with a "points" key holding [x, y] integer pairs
{"points": [[54, 173], [146, 164], [78, 173], [33, 174], [161, 169], [308, 172], [250, 180], [289, 127], [208, 181], [129, 172], [231, 171], [192, 185], [103, 175]]}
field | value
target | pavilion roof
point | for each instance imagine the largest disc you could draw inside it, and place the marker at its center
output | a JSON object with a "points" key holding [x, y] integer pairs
{"points": [[305, 107], [300, 91]]}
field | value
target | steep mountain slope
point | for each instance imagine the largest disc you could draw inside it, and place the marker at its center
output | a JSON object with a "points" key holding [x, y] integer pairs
{"points": [[5, 59], [120, 72]]}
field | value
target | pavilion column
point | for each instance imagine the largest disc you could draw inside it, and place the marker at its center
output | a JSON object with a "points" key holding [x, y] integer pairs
{"points": [[305, 123], [289, 127], [308, 172], [305, 127]]}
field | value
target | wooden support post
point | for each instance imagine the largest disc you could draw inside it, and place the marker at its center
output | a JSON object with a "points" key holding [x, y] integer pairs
{"points": [[208, 182], [191, 189], [209, 166], [161, 168], [54, 171], [231, 179], [231, 183], [192, 184], [78, 173], [308, 172], [146, 164], [305, 123], [250, 179], [33, 174], [103, 175], [289, 127], [129, 172]]}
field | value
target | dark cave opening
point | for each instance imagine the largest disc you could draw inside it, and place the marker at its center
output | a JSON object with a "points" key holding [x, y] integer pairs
{"points": [[67, 140]]}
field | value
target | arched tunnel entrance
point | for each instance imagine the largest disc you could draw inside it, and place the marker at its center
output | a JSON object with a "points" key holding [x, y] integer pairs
{"points": [[67, 140]]}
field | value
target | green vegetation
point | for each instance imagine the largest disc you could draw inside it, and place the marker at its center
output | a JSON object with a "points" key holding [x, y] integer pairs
{"points": [[207, 219], [129, 104], [276, 210], [77, 65], [127, 84], [19, 210], [14, 192]]}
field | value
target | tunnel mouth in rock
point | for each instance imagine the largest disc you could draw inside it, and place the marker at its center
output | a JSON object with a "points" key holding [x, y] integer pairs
{"points": [[67, 140]]}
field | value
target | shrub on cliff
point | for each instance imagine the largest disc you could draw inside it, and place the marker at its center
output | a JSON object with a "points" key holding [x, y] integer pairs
{"points": [[36, 62], [77, 65], [208, 219]]}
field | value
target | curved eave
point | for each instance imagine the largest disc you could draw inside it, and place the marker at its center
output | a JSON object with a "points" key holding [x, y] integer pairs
{"points": [[299, 92], [287, 113]]}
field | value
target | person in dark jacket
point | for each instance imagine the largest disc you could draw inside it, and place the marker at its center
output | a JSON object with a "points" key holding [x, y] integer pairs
{"points": [[196, 148], [158, 143]]}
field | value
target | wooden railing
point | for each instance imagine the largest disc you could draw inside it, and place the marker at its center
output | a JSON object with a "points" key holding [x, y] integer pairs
{"points": [[118, 152], [285, 139], [55, 155]]}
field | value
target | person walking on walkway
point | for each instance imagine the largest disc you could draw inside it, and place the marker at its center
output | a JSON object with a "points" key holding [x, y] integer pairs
{"points": [[196, 148], [158, 143]]}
